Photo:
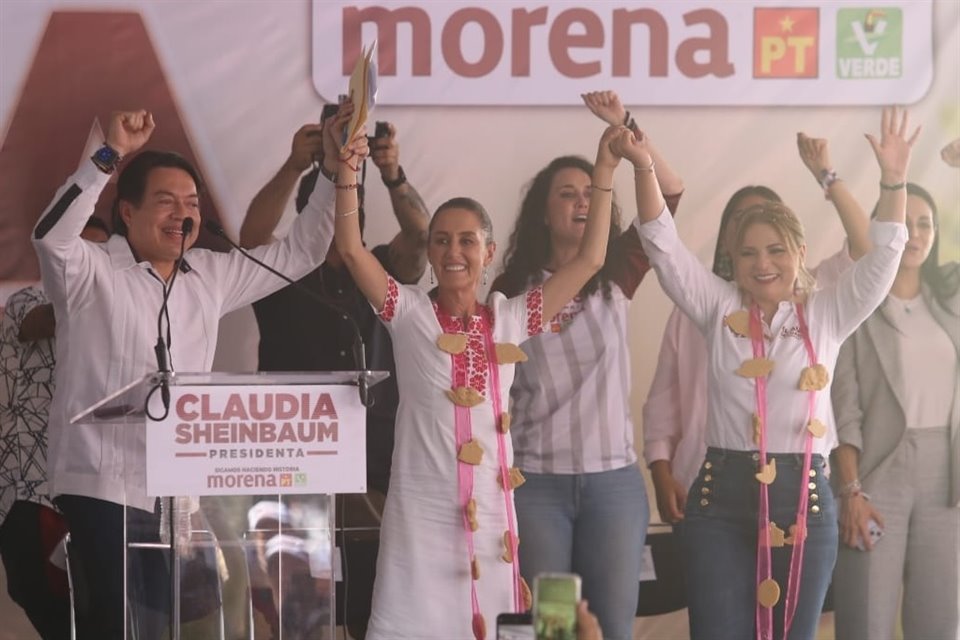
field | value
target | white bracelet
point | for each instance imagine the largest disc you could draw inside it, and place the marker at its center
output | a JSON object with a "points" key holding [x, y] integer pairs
{"points": [[649, 169], [347, 214]]}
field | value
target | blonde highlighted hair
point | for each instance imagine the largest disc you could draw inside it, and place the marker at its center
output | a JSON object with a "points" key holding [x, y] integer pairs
{"points": [[788, 227]]}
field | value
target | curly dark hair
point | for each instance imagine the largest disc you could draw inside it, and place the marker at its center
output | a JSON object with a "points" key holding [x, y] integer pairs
{"points": [[529, 250]]}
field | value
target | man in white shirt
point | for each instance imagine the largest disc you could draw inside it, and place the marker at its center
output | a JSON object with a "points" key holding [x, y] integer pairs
{"points": [[107, 299]]}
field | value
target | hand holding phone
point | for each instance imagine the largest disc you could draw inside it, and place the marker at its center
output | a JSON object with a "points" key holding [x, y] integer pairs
{"points": [[555, 598], [875, 531], [515, 626]]}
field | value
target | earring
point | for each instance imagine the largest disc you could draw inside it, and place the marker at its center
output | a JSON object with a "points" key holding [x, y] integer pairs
{"points": [[723, 266], [484, 276], [431, 274]]}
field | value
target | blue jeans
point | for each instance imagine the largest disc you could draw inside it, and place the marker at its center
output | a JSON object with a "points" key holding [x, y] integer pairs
{"points": [[720, 544], [592, 524]]}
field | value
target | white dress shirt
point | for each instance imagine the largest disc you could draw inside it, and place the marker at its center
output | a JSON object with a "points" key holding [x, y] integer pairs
{"points": [[832, 314], [106, 304]]}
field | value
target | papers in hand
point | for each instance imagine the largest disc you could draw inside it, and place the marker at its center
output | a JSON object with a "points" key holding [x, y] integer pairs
{"points": [[363, 91]]}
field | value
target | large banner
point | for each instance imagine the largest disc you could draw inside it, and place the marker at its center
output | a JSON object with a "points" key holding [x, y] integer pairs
{"points": [[683, 52]]}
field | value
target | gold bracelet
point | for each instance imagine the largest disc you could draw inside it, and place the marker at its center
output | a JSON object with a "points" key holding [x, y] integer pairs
{"points": [[649, 169], [347, 214], [604, 189]]}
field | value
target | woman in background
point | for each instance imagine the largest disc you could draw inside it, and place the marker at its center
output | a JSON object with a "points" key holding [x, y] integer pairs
{"points": [[897, 406]]}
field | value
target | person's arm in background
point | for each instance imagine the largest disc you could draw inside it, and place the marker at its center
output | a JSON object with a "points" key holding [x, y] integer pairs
{"points": [[408, 249], [606, 106], [38, 323], [267, 206], [951, 154], [663, 426], [855, 510], [815, 154]]}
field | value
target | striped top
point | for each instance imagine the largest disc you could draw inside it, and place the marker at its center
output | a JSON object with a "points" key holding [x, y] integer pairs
{"points": [[570, 402]]}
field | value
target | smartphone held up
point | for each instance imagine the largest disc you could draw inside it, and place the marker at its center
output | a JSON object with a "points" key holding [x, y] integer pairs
{"points": [[555, 598]]}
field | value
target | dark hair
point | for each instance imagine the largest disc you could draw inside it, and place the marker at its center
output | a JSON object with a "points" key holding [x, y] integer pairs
{"points": [[942, 287], [132, 183], [307, 184], [722, 261], [473, 207], [96, 223], [530, 250]]}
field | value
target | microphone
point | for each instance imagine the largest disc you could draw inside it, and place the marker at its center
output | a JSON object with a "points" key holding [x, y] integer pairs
{"points": [[162, 349], [359, 351]]}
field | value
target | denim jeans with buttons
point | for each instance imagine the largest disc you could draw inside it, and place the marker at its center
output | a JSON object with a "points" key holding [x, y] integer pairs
{"points": [[720, 544]]}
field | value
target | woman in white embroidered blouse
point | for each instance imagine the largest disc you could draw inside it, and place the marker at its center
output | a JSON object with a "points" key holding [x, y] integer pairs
{"points": [[760, 537], [447, 563]]}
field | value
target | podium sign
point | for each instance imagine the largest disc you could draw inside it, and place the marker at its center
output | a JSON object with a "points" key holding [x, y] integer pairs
{"points": [[258, 439]]}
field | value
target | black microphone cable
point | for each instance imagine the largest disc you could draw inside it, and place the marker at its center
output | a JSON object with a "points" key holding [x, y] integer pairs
{"points": [[162, 348], [359, 352]]}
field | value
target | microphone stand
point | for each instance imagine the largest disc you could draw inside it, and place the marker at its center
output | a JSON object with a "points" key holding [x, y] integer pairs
{"points": [[359, 351], [161, 349]]}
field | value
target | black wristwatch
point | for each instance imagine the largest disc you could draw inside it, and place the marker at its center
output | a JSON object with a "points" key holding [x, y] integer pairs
{"points": [[396, 182], [106, 158]]}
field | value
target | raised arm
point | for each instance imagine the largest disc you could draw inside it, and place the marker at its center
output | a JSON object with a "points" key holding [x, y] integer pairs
{"points": [[606, 106], [267, 206], [569, 279], [56, 235], [408, 249], [367, 272], [893, 156], [815, 154]]}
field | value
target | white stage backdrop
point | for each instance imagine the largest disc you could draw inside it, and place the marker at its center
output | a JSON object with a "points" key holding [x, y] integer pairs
{"points": [[231, 81], [483, 95]]}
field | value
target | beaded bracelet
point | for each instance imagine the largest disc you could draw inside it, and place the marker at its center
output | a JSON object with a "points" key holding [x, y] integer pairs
{"points": [[347, 187]]}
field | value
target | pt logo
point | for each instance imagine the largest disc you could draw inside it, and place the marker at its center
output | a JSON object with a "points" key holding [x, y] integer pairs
{"points": [[786, 43], [286, 480], [870, 43]]}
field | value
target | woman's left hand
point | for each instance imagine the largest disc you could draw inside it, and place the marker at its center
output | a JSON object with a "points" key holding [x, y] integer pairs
{"points": [[607, 155], [894, 147], [632, 146]]}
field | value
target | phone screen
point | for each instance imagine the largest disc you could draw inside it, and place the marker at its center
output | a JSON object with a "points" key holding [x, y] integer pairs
{"points": [[555, 607], [515, 632]]}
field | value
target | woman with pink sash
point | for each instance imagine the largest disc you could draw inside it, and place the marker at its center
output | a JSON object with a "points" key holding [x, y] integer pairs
{"points": [[448, 553], [760, 527]]}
